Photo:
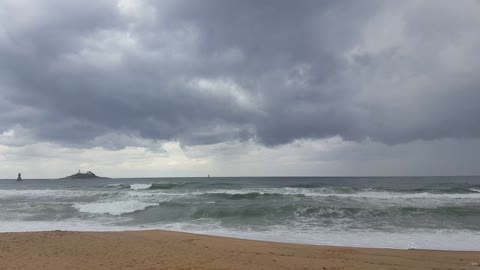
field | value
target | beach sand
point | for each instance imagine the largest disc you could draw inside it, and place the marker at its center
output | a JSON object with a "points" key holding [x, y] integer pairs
{"points": [[173, 250]]}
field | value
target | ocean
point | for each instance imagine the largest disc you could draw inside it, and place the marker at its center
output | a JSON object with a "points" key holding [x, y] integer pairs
{"points": [[384, 212]]}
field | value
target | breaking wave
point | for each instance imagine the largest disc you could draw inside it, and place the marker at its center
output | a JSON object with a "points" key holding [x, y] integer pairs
{"points": [[140, 186], [113, 208]]}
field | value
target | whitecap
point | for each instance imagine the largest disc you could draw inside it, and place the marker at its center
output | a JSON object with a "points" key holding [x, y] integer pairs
{"points": [[140, 186]]}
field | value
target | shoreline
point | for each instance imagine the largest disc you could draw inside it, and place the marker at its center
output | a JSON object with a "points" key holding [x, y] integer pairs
{"points": [[156, 249], [326, 243]]}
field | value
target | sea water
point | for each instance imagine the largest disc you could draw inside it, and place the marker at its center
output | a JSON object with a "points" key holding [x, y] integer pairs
{"points": [[388, 212]]}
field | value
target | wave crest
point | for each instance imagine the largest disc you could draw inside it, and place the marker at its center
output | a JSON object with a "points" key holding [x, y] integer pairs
{"points": [[140, 186], [116, 208]]}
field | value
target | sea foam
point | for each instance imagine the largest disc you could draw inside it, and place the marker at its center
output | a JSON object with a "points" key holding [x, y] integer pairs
{"points": [[415, 238]]}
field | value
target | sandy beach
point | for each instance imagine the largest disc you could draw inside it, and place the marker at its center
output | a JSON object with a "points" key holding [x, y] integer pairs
{"points": [[173, 250]]}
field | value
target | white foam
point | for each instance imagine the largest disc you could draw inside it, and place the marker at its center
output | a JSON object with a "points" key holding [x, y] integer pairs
{"points": [[140, 186], [362, 194], [418, 239], [67, 225], [475, 190], [115, 208]]}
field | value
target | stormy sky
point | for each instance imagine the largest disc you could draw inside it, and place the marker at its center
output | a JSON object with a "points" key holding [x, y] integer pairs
{"points": [[254, 87]]}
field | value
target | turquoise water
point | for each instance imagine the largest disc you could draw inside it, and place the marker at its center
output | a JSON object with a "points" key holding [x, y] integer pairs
{"points": [[397, 212]]}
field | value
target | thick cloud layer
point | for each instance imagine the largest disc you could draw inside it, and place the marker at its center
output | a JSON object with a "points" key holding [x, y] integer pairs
{"points": [[202, 72]]}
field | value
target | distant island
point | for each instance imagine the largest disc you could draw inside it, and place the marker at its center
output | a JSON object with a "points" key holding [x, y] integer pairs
{"points": [[80, 175]]}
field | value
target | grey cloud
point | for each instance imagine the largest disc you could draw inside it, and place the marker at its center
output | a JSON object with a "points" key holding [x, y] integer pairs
{"points": [[214, 71]]}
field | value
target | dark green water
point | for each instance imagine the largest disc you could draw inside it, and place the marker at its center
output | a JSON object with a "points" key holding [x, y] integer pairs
{"points": [[401, 212]]}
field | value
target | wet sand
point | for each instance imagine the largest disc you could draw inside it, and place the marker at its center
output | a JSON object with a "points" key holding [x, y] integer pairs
{"points": [[171, 250]]}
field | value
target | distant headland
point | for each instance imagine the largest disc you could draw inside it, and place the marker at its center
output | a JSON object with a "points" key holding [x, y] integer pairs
{"points": [[80, 175]]}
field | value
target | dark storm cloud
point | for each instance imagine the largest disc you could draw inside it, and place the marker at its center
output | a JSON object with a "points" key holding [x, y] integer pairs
{"points": [[210, 71]]}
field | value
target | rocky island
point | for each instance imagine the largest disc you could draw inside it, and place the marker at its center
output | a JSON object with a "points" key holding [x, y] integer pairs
{"points": [[80, 175]]}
